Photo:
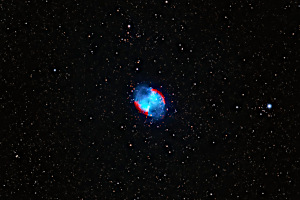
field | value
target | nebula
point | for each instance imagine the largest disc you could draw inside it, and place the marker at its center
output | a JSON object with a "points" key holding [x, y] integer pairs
{"points": [[150, 102]]}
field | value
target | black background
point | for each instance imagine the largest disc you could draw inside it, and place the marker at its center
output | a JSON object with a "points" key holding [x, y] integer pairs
{"points": [[69, 128]]}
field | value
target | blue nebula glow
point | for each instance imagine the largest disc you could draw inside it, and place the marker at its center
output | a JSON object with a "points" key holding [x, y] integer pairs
{"points": [[149, 101]]}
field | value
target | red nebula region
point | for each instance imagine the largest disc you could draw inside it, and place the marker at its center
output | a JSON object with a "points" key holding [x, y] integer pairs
{"points": [[138, 106], [158, 92]]}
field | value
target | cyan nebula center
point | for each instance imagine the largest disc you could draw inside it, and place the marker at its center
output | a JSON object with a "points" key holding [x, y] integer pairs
{"points": [[149, 101]]}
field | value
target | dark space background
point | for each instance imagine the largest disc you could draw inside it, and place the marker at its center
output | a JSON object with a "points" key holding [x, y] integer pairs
{"points": [[69, 129]]}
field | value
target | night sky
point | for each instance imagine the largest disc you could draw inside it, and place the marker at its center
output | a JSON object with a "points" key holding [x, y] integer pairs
{"points": [[229, 72]]}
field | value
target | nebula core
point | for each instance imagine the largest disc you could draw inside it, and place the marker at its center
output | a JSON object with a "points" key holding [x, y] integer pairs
{"points": [[149, 101]]}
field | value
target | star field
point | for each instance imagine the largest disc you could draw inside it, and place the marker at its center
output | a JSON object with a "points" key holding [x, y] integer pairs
{"points": [[229, 71]]}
